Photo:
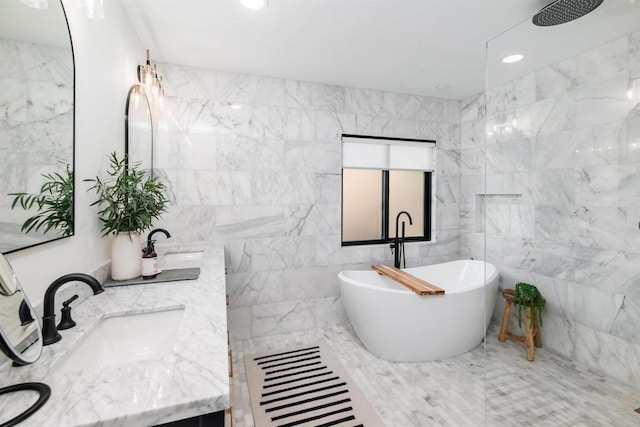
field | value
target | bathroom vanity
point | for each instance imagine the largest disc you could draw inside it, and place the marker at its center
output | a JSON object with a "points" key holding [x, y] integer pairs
{"points": [[140, 355]]}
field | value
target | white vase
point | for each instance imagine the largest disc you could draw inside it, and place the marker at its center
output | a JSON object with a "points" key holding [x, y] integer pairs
{"points": [[126, 256]]}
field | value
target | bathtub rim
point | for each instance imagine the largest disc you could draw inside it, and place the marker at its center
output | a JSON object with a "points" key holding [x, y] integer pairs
{"points": [[486, 280]]}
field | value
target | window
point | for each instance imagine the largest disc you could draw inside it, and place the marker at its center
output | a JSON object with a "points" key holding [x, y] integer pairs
{"points": [[380, 178]]}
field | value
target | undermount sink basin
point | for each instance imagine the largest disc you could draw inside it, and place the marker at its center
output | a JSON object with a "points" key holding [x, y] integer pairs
{"points": [[124, 339], [181, 260]]}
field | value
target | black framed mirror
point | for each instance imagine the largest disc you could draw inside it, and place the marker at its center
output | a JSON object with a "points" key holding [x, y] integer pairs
{"points": [[20, 333], [138, 129], [37, 114]]}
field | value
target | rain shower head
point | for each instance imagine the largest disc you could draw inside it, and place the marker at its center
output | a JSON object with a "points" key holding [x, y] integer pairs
{"points": [[561, 11]]}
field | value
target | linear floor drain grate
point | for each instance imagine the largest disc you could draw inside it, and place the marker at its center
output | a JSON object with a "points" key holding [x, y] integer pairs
{"points": [[305, 386]]}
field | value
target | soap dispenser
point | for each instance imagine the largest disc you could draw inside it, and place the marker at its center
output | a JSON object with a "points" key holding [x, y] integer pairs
{"points": [[149, 256]]}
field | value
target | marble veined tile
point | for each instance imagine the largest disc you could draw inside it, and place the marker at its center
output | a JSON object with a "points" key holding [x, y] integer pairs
{"points": [[604, 228], [512, 156], [594, 66], [248, 154], [448, 162], [596, 308], [47, 63], [578, 147], [282, 253], [415, 107], [547, 116], [371, 102], [234, 222], [282, 317], [609, 270], [509, 96], [328, 188], [189, 82], [13, 99], [331, 126], [398, 128], [300, 125], [609, 354], [249, 89], [257, 287], [611, 185], [315, 96], [313, 220], [311, 282], [472, 108], [305, 157], [555, 187], [238, 255], [602, 103], [50, 101], [625, 323], [11, 66]]}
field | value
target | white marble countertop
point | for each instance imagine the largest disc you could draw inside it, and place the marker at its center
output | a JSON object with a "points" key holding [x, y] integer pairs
{"points": [[189, 381]]}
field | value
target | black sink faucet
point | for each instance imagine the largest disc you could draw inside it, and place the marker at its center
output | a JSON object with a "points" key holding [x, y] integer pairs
{"points": [[49, 332], [157, 230], [398, 243]]}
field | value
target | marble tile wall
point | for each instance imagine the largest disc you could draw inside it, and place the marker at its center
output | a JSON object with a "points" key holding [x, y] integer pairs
{"points": [[36, 104], [265, 179], [562, 199]]}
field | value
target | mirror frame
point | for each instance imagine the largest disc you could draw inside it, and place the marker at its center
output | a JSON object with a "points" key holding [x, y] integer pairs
{"points": [[143, 94], [73, 148], [6, 346]]}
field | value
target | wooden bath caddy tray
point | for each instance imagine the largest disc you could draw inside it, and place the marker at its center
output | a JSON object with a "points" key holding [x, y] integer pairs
{"points": [[419, 286]]}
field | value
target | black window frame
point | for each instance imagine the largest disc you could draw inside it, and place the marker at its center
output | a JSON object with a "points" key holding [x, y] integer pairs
{"points": [[386, 238]]}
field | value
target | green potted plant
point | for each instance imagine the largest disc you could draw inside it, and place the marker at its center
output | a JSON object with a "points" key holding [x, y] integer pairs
{"points": [[129, 201], [54, 204], [526, 294]]}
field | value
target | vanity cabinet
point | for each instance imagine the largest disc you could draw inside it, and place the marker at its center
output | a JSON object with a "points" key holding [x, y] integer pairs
{"points": [[214, 419]]}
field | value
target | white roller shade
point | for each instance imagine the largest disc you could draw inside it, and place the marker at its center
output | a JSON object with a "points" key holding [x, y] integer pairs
{"points": [[387, 154], [363, 155]]}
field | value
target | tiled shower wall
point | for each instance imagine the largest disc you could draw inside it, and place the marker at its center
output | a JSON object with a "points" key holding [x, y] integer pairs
{"points": [[265, 180], [563, 199]]}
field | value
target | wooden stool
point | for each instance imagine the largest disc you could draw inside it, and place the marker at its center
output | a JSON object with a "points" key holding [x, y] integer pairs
{"points": [[532, 336]]}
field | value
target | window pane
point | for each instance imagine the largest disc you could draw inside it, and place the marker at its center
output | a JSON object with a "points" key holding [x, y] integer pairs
{"points": [[406, 193], [361, 204]]}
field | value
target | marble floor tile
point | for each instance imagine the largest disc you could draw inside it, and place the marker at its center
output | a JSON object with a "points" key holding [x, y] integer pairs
{"points": [[551, 391]]}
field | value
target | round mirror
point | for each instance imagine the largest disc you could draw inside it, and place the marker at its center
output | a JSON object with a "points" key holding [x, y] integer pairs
{"points": [[138, 129], [20, 334]]}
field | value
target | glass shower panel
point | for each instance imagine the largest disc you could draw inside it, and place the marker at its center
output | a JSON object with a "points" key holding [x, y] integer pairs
{"points": [[561, 204]]}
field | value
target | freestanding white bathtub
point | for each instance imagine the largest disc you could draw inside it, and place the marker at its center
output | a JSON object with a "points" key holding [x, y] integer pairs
{"points": [[398, 325]]}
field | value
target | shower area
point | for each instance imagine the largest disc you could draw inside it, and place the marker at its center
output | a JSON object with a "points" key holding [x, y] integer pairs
{"points": [[550, 192]]}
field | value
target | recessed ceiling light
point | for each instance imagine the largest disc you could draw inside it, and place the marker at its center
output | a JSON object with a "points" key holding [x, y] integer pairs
{"points": [[512, 58], [254, 4], [442, 88]]}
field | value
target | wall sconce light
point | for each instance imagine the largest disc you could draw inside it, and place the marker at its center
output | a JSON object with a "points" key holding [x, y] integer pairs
{"points": [[152, 82]]}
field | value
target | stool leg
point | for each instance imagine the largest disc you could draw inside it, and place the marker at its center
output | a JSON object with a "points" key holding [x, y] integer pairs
{"points": [[505, 321], [537, 337], [529, 336]]}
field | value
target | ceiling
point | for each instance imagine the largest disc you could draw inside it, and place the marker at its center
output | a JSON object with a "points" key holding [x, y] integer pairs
{"points": [[394, 45]]}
